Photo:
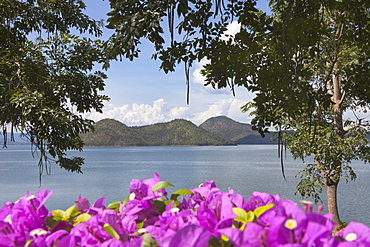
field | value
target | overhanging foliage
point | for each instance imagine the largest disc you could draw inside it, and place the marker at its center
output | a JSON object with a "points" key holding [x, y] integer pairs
{"points": [[47, 77]]}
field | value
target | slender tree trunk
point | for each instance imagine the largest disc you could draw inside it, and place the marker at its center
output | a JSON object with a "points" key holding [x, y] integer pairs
{"points": [[333, 179], [334, 87], [331, 190]]}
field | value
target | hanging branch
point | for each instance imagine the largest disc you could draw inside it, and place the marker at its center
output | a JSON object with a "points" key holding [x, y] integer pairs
{"points": [[280, 152], [171, 18], [187, 72], [5, 136]]}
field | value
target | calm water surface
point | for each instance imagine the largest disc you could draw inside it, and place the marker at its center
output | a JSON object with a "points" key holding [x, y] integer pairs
{"points": [[108, 172]]}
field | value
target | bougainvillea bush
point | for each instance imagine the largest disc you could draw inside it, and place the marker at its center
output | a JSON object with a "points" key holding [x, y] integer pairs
{"points": [[204, 216]]}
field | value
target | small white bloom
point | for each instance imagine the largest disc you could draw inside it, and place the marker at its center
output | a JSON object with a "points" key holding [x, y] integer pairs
{"points": [[351, 237], [142, 230], [8, 219], [30, 197], [38, 232], [175, 210], [132, 196]]}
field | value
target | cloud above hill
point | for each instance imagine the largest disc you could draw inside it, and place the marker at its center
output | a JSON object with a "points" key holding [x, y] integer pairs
{"points": [[145, 114], [148, 98]]}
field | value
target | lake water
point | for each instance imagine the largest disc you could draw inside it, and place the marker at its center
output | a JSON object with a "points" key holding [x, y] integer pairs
{"points": [[108, 171]]}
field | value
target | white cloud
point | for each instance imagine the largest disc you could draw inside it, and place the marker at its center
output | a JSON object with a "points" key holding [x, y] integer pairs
{"points": [[145, 114], [179, 112], [226, 107], [197, 77], [137, 114], [232, 29]]}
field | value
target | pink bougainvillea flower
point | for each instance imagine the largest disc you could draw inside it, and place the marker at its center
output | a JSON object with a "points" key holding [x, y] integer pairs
{"points": [[236, 199], [82, 204], [259, 199], [355, 234], [25, 219], [252, 236], [216, 213], [191, 235], [142, 189], [291, 225]]}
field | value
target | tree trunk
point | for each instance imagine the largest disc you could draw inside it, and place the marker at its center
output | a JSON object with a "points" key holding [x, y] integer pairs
{"points": [[331, 182], [331, 190]]}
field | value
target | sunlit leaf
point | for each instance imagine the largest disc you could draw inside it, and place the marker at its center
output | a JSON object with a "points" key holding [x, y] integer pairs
{"points": [[58, 214], [260, 210], [82, 218], [71, 212], [180, 192], [111, 231], [241, 215], [161, 185], [114, 206]]}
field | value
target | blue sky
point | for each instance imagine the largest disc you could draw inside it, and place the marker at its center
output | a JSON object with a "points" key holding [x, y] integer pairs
{"points": [[141, 94]]}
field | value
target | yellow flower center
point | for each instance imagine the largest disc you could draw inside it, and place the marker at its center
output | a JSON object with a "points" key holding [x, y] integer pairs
{"points": [[290, 224], [351, 237]]}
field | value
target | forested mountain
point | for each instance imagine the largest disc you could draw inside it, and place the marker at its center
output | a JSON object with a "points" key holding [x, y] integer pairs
{"points": [[214, 131], [109, 132], [241, 133]]}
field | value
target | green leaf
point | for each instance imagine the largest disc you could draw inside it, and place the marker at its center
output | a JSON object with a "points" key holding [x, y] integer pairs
{"points": [[127, 198], [148, 240], [114, 206], [180, 192], [70, 213], [243, 216], [82, 218], [161, 185], [160, 206], [140, 225], [260, 210], [29, 242], [111, 231], [58, 214], [51, 222]]}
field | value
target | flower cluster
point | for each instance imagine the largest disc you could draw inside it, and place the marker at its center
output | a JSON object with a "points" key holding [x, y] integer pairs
{"points": [[204, 216]]}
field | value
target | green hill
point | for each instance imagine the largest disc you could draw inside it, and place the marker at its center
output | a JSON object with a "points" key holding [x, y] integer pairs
{"points": [[109, 132], [241, 133]]}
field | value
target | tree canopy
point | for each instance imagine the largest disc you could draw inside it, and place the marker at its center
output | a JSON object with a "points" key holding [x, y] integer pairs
{"points": [[47, 76], [306, 61]]}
